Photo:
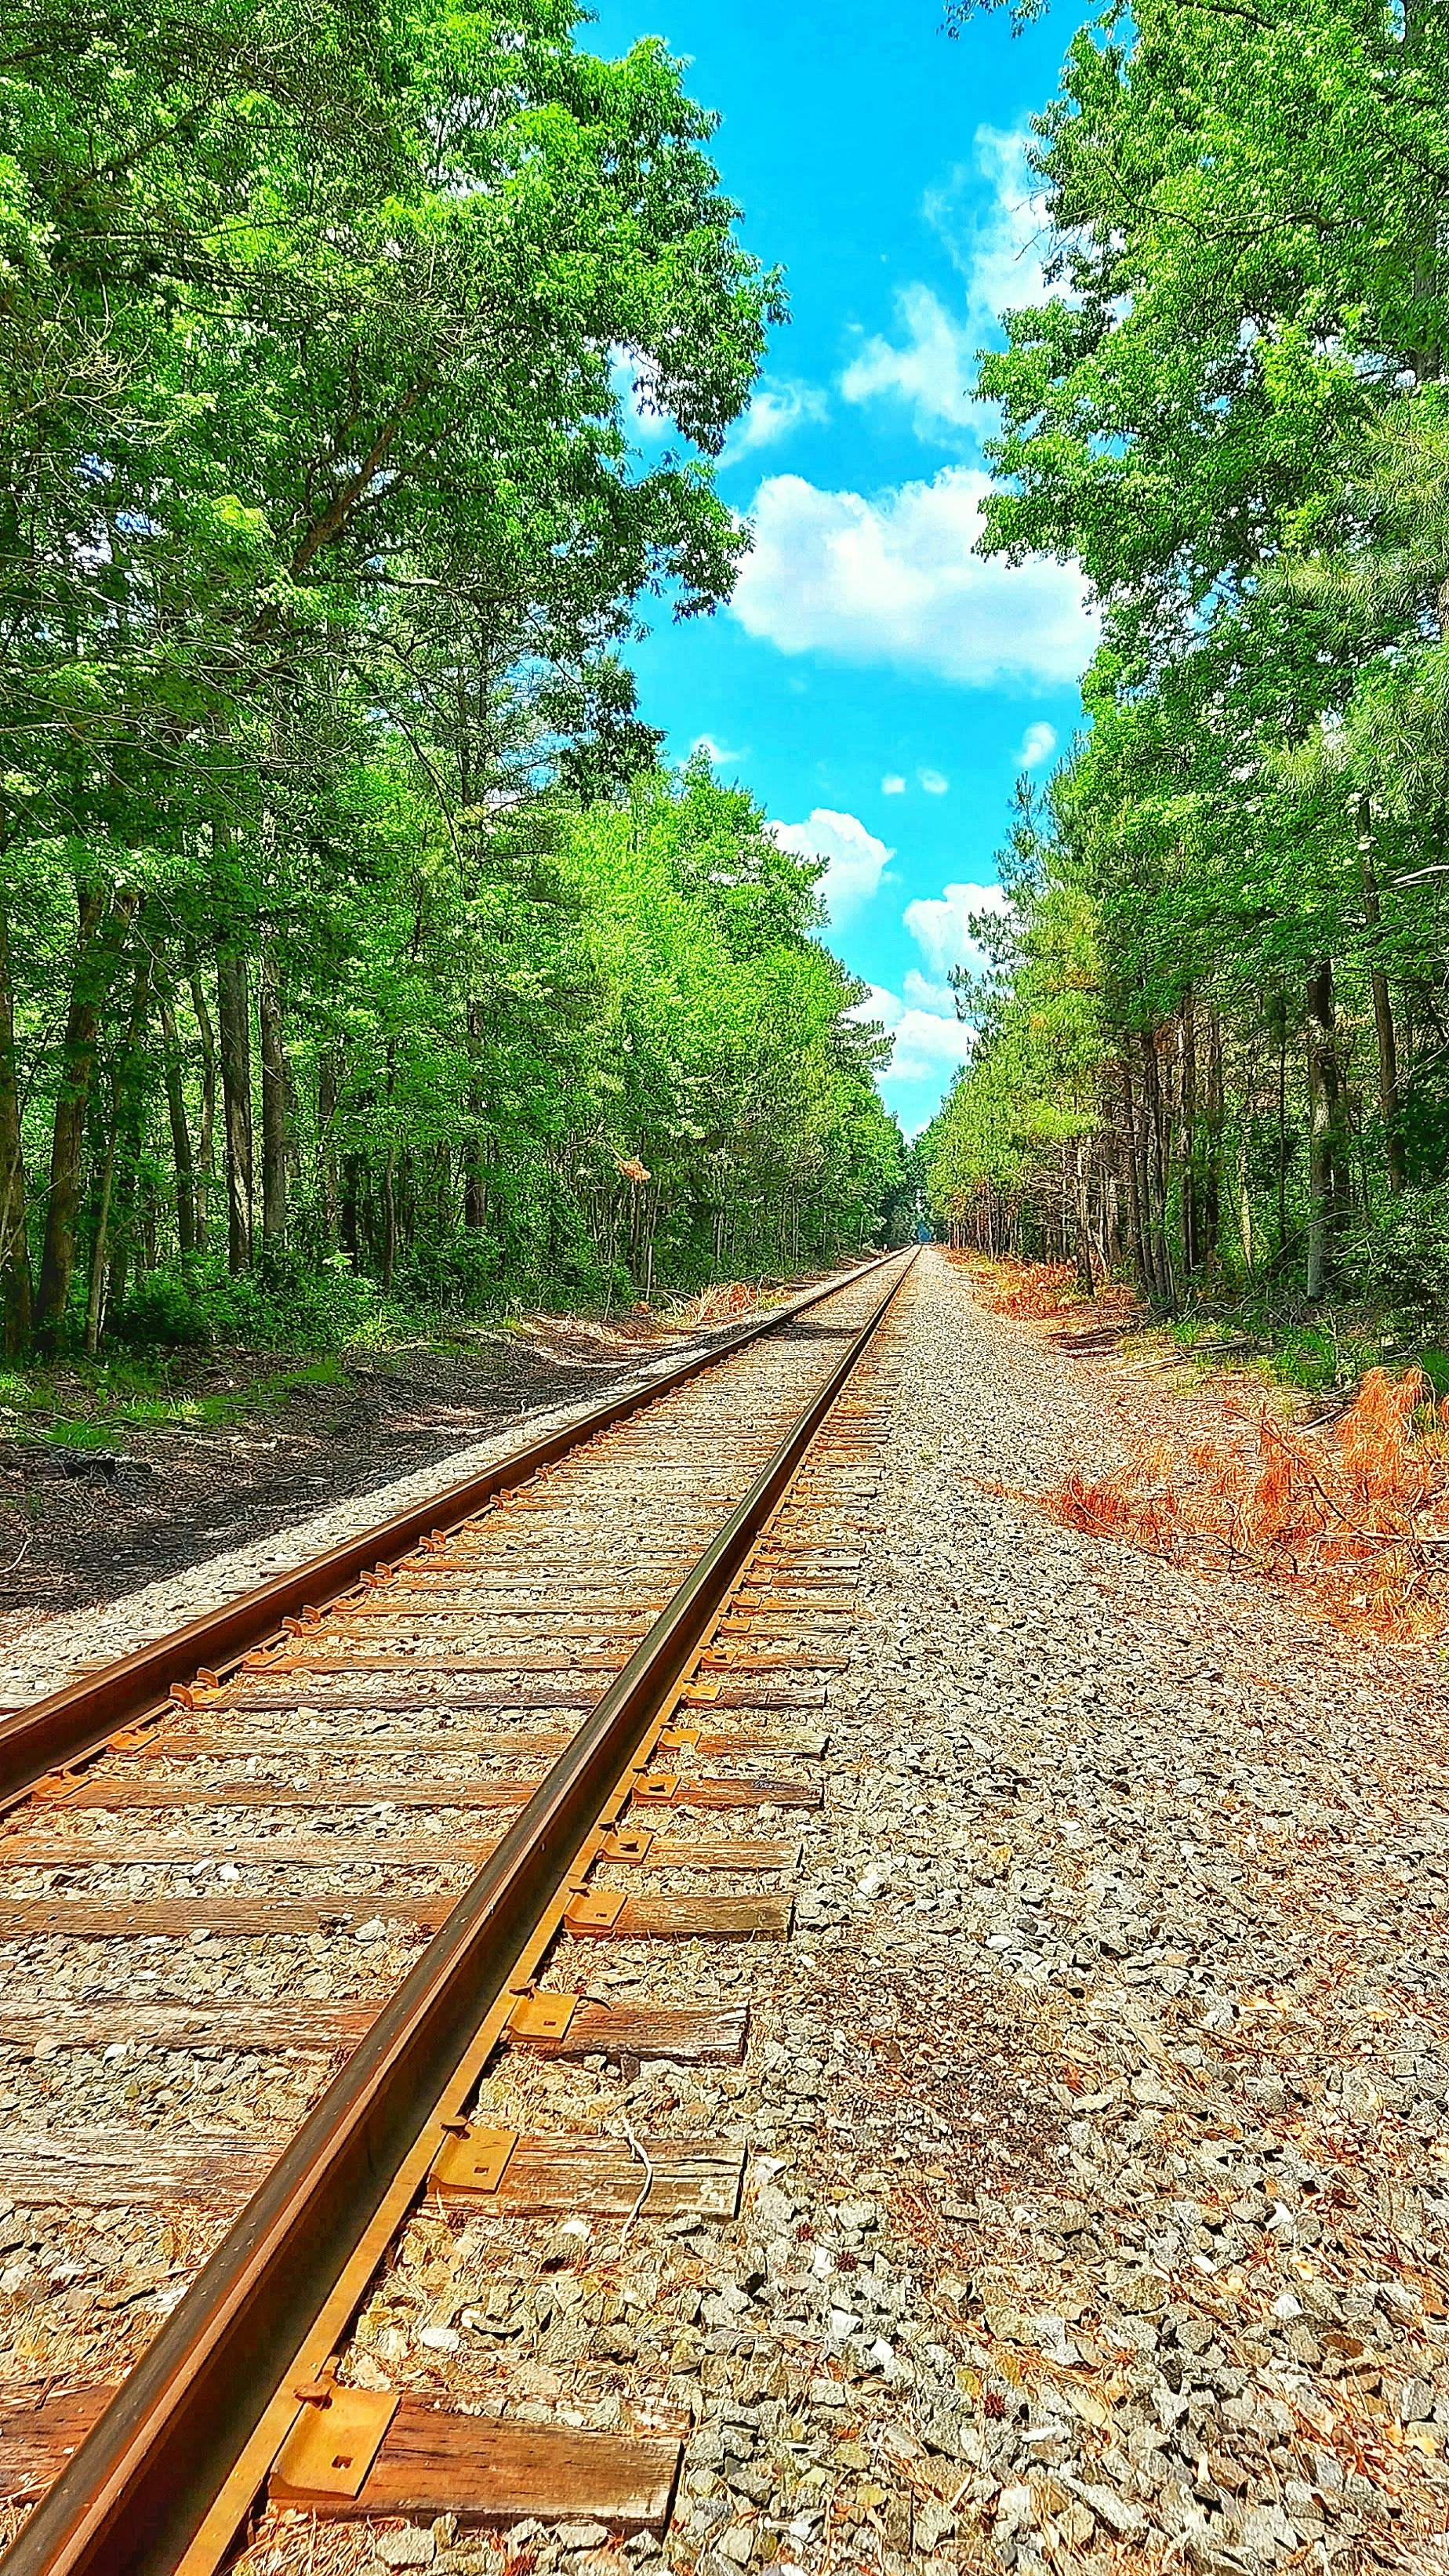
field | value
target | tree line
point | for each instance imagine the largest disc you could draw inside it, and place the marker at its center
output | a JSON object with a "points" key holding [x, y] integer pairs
{"points": [[1213, 1025], [348, 923]]}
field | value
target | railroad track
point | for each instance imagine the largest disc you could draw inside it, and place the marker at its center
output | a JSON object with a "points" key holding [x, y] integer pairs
{"points": [[354, 1852]]}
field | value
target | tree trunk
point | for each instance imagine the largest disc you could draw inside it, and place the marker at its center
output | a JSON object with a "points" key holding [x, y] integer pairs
{"points": [[1134, 1193], [1325, 1125], [475, 1172], [1085, 1281], [348, 1217], [389, 1219], [181, 1154], [1187, 1132], [233, 1011], [122, 1129], [274, 1106], [1210, 1174], [1388, 1053], [206, 1142], [102, 927], [16, 1299], [124, 1093], [1155, 1194], [329, 1086]]}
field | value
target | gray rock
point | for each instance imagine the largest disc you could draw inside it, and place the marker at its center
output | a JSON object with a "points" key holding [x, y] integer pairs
{"points": [[410, 2547]]}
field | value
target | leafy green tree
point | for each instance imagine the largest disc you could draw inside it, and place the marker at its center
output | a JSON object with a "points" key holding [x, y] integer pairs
{"points": [[320, 528], [1229, 412]]}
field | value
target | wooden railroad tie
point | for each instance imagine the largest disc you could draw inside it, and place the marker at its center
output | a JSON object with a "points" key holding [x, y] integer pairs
{"points": [[635, 2033], [261, 1916], [157, 1796], [427, 2462], [547, 2177]]}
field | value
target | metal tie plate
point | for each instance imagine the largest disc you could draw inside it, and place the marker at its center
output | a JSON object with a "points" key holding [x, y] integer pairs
{"points": [[335, 2439], [542, 2016], [474, 2159]]}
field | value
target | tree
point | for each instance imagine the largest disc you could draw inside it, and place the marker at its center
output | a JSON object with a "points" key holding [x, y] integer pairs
{"points": [[1229, 414], [320, 529]]}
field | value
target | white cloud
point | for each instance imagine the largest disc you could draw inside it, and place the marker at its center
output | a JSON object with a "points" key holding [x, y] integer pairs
{"points": [[928, 1045], [933, 781], [991, 216], [926, 996], [857, 860], [775, 410], [894, 785], [931, 372], [1037, 745], [718, 754], [940, 924], [895, 580]]}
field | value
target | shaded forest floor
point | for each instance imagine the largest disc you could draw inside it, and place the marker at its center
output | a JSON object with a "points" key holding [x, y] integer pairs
{"points": [[108, 1479]]}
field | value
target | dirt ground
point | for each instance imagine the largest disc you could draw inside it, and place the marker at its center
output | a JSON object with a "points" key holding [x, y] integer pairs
{"points": [[81, 1527]]}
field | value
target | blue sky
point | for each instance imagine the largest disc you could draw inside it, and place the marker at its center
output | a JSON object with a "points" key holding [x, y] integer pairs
{"points": [[874, 683]]}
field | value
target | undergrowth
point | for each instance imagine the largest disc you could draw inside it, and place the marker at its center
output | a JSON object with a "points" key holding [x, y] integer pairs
{"points": [[1029, 1290], [1362, 1515], [1357, 1515], [120, 1399], [82, 1404]]}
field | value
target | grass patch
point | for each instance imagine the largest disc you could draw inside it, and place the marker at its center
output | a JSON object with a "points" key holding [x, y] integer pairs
{"points": [[1323, 1351], [96, 1409]]}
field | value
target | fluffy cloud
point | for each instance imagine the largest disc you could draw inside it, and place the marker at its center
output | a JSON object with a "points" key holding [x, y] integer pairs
{"points": [[991, 215], [933, 781], [991, 218], [928, 1045], [857, 860], [1037, 745], [926, 996], [895, 579], [893, 785], [940, 924], [774, 411], [929, 371], [718, 754]]}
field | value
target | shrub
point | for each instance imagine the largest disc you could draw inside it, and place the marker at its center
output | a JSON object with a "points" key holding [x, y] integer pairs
{"points": [[164, 1312], [1399, 1261], [281, 1308]]}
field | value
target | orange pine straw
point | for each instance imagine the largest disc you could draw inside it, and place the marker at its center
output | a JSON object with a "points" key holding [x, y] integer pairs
{"points": [[1363, 1517], [1026, 1289], [722, 1305]]}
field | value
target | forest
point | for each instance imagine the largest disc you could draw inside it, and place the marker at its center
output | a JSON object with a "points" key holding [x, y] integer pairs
{"points": [[353, 941], [1213, 1021]]}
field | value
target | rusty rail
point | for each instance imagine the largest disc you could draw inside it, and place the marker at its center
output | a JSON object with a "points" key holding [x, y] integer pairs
{"points": [[163, 2463], [70, 1724]]}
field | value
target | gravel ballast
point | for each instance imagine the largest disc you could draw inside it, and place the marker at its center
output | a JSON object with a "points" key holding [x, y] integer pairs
{"points": [[1113, 2096], [1096, 2108]]}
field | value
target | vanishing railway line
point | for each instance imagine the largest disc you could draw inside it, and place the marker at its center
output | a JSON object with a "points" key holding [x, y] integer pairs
{"points": [[360, 1841]]}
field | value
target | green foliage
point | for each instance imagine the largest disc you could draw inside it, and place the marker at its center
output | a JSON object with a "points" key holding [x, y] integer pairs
{"points": [[1031, 1090], [347, 922], [1231, 413], [294, 1308], [1400, 1258]]}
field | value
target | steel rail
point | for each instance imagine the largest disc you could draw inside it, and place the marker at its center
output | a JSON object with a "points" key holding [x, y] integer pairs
{"points": [[74, 1723], [139, 2488]]}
